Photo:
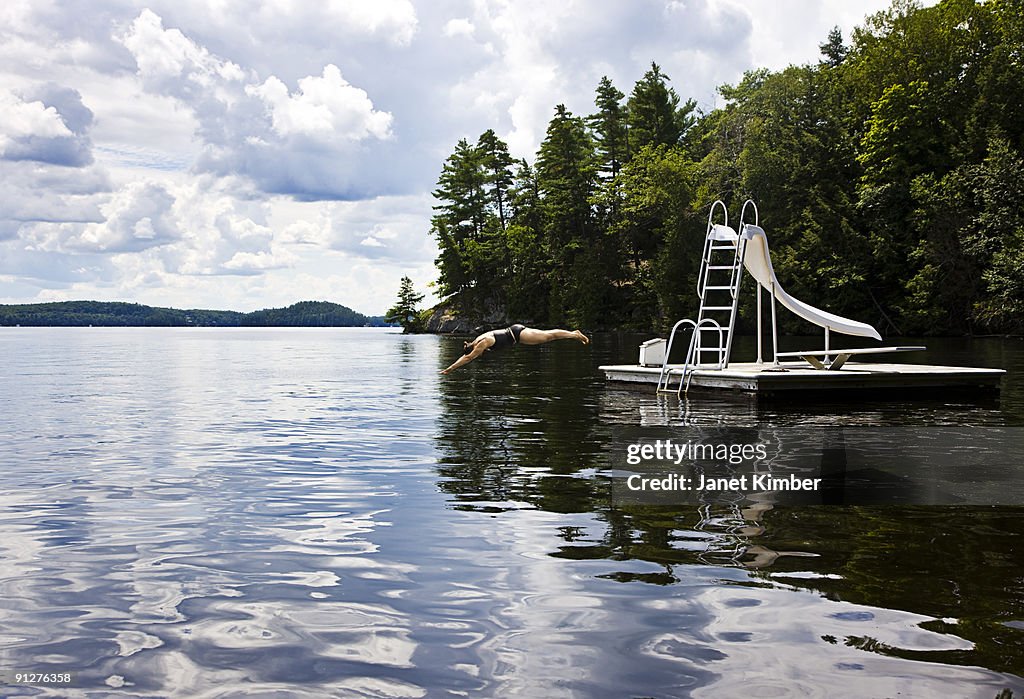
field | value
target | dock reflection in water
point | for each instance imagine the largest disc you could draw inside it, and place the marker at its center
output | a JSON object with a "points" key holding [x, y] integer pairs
{"points": [[865, 589], [314, 513]]}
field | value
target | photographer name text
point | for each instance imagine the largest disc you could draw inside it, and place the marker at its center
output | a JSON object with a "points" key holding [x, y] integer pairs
{"points": [[675, 482]]}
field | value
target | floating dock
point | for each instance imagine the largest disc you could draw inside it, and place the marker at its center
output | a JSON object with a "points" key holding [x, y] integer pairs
{"points": [[799, 376], [726, 255]]}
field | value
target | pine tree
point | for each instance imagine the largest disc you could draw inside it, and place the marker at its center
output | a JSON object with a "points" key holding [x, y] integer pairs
{"points": [[609, 128], [459, 226], [405, 311], [496, 164], [460, 189], [566, 176], [470, 224], [655, 116], [530, 264], [610, 134], [833, 50]]}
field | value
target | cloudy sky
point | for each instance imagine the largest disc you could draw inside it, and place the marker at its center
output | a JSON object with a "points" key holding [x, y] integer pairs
{"points": [[242, 155]]}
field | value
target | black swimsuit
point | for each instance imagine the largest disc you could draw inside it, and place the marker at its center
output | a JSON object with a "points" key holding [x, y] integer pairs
{"points": [[509, 337]]}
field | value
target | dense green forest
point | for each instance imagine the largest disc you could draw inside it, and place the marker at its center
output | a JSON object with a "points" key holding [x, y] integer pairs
{"points": [[889, 174], [83, 313]]}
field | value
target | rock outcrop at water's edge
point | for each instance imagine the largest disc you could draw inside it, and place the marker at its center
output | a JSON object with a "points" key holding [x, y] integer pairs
{"points": [[445, 319]]}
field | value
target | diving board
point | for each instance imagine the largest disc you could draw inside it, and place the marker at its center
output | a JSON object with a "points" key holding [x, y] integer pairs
{"points": [[842, 355]]}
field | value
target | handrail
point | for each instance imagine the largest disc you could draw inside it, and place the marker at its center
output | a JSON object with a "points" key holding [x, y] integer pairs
{"points": [[695, 344], [666, 372], [711, 214], [743, 212], [665, 377], [702, 274]]}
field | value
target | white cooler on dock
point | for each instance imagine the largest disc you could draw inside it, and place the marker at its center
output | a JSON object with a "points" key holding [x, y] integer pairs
{"points": [[652, 352]]}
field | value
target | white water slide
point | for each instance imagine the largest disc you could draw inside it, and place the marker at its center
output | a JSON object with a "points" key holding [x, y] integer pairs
{"points": [[758, 261]]}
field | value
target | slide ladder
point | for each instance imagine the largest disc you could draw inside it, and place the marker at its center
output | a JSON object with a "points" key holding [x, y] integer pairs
{"points": [[718, 286]]}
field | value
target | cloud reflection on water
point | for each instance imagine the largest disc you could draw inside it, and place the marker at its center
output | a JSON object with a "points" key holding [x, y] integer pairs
{"points": [[299, 513]]}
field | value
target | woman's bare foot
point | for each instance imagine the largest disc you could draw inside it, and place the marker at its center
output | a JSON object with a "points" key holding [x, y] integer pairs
{"points": [[581, 337]]}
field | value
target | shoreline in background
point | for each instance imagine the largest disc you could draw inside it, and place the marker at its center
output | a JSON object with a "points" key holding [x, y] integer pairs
{"points": [[309, 314]]}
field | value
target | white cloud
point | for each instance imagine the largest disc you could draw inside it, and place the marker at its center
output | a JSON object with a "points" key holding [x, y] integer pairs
{"points": [[327, 107], [306, 233], [200, 228], [23, 119], [48, 125], [165, 55], [136, 217], [36, 192], [222, 231], [459, 26], [385, 228], [790, 31], [532, 55], [382, 229], [16, 14], [304, 143], [256, 262]]}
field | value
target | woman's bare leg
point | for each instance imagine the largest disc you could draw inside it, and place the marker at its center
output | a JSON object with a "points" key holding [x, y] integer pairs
{"points": [[532, 336]]}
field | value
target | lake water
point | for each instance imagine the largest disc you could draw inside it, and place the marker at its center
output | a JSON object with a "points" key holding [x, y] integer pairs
{"points": [[291, 513]]}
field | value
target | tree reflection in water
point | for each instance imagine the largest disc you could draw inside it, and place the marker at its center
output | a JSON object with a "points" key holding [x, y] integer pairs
{"points": [[535, 431]]}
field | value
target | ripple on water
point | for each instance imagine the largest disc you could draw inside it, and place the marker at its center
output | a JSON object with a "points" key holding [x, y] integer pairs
{"points": [[313, 513]]}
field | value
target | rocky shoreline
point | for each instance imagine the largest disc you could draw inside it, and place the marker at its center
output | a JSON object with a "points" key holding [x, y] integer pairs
{"points": [[443, 320]]}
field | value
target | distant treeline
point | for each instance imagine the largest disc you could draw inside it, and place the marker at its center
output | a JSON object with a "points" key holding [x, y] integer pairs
{"points": [[889, 175], [316, 314]]}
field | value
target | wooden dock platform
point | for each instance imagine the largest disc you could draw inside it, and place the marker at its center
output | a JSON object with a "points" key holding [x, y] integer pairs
{"points": [[798, 376]]}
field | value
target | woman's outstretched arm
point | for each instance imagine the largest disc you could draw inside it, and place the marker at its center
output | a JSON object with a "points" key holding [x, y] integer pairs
{"points": [[465, 359]]}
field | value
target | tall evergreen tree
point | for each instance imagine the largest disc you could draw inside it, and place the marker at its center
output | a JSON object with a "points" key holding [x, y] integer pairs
{"points": [[530, 264], [655, 116], [458, 218], [834, 50], [460, 189], [497, 169], [566, 172], [470, 221], [609, 127], [565, 175]]}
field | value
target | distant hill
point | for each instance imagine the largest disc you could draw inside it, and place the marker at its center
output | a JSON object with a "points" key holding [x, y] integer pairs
{"points": [[307, 314]]}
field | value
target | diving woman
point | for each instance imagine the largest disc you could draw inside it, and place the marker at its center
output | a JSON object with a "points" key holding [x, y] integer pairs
{"points": [[510, 337]]}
